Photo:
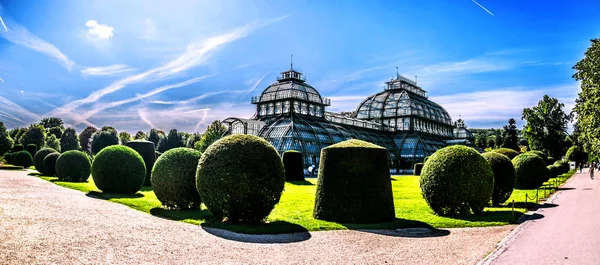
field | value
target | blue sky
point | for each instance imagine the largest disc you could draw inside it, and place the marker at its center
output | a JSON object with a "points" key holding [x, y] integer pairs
{"points": [[137, 65]]}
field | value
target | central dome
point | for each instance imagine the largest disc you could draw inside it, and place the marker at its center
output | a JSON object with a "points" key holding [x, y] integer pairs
{"points": [[291, 84]]}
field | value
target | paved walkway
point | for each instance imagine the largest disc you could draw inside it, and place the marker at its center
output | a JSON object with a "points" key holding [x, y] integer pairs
{"points": [[41, 223], [567, 231]]}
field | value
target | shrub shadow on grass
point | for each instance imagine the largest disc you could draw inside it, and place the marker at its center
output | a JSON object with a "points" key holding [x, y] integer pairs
{"points": [[495, 216], [108, 196], [301, 182], [226, 232]]}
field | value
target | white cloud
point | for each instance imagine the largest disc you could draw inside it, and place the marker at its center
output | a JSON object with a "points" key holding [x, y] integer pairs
{"points": [[106, 70], [4, 25], [97, 31], [21, 36], [15, 115]]}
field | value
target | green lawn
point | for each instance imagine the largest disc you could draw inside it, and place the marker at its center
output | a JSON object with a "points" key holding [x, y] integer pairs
{"points": [[294, 211]]}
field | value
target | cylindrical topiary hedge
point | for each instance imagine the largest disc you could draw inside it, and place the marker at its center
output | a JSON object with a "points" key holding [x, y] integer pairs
{"points": [[73, 166], [293, 165], [174, 178], [50, 164], [541, 154], [32, 149], [457, 179], [354, 184], [118, 169], [146, 150], [240, 178], [418, 168], [530, 170], [18, 147], [9, 158], [23, 158], [504, 176], [510, 153], [38, 159]]}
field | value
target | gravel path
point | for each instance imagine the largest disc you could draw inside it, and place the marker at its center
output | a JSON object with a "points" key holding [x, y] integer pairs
{"points": [[565, 231], [41, 223]]}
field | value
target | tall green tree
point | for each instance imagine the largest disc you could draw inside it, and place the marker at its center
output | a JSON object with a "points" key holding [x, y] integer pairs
{"points": [[50, 122], [69, 140], [192, 139], [57, 131], [85, 138], [586, 104], [124, 137], [36, 134], [546, 126], [173, 140], [214, 132], [153, 136], [509, 135], [6, 142], [140, 135], [52, 142]]}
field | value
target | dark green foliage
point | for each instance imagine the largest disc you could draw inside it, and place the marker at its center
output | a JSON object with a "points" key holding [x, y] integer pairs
{"points": [[36, 134], [140, 136], [6, 141], [146, 150], [552, 171], [32, 149], [293, 165], [52, 142], [576, 154], [504, 176], [240, 178], [118, 169], [23, 158], [124, 137], [457, 179], [69, 140], [9, 158], [50, 164], [73, 166], [52, 122], [16, 134], [510, 139], [85, 138], [174, 178], [546, 127], [192, 139], [586, 104], [418, 168], [541, 154], [38, 159], [530, 170], [102, 139], [17, 148], [173, 140], [214, 132], [56, 131], [154, 136], [551, 160], [510, 153], [562, 166], [354, 184]]}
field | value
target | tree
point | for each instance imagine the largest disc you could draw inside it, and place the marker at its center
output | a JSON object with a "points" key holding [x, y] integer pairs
{"points": [[36, 134], [509, 135], [85, 138], [491, 142], [140, 135], [481, 140], [124, 137], [103, 138], [586, 105], [154, 137], [53, 142], [173, 140], [57, 131], [69, 140], [575, 153], [546, 126], [192, 139], [498, 138], [108, 128], [50, 122], [214, 132], [6, 142], [16, 134]]}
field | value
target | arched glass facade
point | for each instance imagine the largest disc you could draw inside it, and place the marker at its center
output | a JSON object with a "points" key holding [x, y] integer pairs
{"points": [[291, 115]]}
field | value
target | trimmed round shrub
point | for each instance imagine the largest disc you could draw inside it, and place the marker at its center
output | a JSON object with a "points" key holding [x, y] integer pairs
{"points": [[38, 159], [293, 165], [354, 184], [457, 179], [50, 164], [418, 168], [504, 176], [9, 158], [174, 178], [73, 166], [23, 158], [425, 159], [543, 155], [530, 170], [240, 178], [510, 153], [552, 171], [146, 150], [18, 147], [118, 169], [32, 149]]}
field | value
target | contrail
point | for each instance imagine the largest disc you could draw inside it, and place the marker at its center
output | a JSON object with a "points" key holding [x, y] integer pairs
{"points": [[4, 25], [2, 80], [483, 7]]}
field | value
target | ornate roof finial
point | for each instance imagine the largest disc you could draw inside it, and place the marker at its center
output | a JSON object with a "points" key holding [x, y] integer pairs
{"points": [[292, 62], [415, 79], [397, 74]]}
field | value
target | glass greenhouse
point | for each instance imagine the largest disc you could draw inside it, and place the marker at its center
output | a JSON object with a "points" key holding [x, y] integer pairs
{"points": [[291, 115]]}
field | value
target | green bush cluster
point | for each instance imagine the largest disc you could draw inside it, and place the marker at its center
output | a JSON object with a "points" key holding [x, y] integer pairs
{"points": [[73, 166], [50, 163], [457, 179], [354, 184], [530, 170], [38, 159], [23, 158], [504, 176], [293, 165], [552, 171], [541, 154], [146, 150], [118, 169], [562, 166], [18, 147], [510, 153], [240, 178], [9, 158], [174, 178], [104, 138]]}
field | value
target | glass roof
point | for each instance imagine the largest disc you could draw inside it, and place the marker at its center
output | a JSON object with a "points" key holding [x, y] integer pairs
{"points": [[291, 85]]}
